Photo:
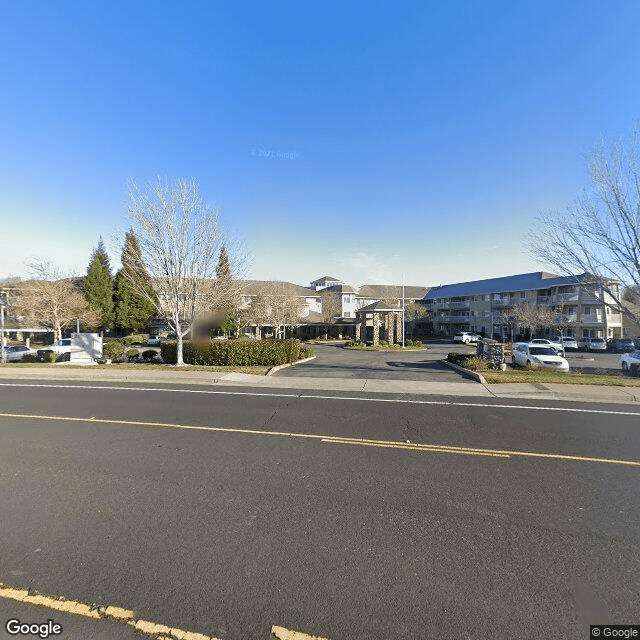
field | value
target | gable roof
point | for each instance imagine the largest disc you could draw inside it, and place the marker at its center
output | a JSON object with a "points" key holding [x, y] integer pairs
{"points": [[379, 305], [392, 291], [254, 287], [520, 282], [339, 288], [326, 279]]}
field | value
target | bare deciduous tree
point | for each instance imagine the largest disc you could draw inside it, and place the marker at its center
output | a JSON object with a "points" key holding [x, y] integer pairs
{"points": [[412, 313], [331, 308], [50, 299], [599, 233], [180, 237]]}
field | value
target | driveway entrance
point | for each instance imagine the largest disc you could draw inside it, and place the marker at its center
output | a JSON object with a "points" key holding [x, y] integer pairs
{"points": [[333, 361]]}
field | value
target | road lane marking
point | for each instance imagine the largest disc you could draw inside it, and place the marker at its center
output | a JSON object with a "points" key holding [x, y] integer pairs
{"points": [[286, 634], [100, 612], [388, 444], [415, 447], [304, 396], [126, 616], [498, 453]]}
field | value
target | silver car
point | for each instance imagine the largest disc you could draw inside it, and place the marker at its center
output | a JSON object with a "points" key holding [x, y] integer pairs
{"points": [[17, 352]]}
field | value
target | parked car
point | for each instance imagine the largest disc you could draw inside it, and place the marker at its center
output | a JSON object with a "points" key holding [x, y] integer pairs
{"points": [[593, 344], [17, 352], [569, 343], [630, 361], [526, 354], [153, 341], [621, 345], [59, 347], [636, 341], [466, 337], [542, 342]]}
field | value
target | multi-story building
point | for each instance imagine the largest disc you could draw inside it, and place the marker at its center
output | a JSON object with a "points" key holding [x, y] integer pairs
{"points": [[581, 307]]}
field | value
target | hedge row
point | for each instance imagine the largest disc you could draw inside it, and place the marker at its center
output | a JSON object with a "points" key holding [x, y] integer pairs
{"points": [[237, 353]]}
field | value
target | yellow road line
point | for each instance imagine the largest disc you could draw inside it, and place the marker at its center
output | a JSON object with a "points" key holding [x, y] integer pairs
{"points": [[125, 616], [286, 634], [365, 442], [472, 451], [96, 612], [414, 447]]}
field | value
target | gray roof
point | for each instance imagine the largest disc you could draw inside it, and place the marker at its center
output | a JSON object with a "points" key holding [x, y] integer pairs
{"points": [[253, 287], [339, 288], [520, 282], [392, 291], [380, 305], [325, 278]]}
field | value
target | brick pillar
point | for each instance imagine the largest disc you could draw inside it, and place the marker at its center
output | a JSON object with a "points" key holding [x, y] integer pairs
{"points": [[358, 330], [376, 329], [398, 327]]}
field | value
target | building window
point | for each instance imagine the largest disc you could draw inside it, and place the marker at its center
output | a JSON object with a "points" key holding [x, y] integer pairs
{"points": [[347, 314]]}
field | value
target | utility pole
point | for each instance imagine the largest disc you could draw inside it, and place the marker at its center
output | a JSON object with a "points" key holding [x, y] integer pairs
{"points": [[3, 302], [403, 310]]}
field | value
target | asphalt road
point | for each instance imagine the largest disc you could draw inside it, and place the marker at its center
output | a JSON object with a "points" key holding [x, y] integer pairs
{"points": [[228, 511]]}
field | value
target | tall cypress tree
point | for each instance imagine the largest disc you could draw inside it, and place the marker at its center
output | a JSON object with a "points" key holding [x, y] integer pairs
{"points": [[223, 270], [98, 286], [133, 309]]}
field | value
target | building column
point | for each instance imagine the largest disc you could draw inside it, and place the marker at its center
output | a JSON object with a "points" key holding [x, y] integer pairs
{"points": [[376, 329], [363, 327], [399, 327], [357, 331]]}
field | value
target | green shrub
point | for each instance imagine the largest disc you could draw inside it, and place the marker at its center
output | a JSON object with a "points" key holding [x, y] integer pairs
{"points": [[355, 343], [412, 343], [132, 354], [51, 356], [306, 352], [234, 352], [473, 363], [113, 348], [135, 338], [149, 354]]}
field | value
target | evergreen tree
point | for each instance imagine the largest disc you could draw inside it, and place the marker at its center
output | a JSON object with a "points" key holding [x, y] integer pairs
{"points": [[223, 270], [98, 286], [133, 311]]}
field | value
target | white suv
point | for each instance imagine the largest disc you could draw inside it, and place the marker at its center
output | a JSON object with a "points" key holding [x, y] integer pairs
{"points": [[593, 344], [59, 347], [466, 337]]}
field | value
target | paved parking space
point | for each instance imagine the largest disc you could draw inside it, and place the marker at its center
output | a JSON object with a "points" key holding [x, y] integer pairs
{"points": [[334, 361]]}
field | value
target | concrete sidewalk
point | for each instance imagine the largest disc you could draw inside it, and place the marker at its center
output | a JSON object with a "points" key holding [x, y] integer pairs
{"points": [[563, 392]]}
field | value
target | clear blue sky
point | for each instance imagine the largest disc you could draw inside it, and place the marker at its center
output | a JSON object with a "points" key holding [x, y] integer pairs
{"points": [[359, 140]]}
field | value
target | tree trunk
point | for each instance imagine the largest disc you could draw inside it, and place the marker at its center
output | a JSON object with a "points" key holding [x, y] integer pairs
{"points": [[179, 350]]}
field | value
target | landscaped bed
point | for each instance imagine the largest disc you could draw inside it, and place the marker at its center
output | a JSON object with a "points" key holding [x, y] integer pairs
{"points": [[524, 375]]}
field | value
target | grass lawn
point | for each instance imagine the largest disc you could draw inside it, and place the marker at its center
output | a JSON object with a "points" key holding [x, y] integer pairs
{"points": [[495, 377], [258, 371]]}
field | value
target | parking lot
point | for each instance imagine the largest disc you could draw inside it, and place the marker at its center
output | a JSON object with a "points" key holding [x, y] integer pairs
{"points": [[334, 361]]}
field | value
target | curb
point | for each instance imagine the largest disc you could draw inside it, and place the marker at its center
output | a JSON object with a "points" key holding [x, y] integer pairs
{"points": [[474, 375], [288, 364]]}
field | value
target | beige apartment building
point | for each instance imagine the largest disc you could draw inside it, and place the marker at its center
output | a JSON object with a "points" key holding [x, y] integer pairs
{"points": [[485, 306]]}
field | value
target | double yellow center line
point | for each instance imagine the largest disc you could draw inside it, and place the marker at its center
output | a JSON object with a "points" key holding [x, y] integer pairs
{"points": [[363, 442]]}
